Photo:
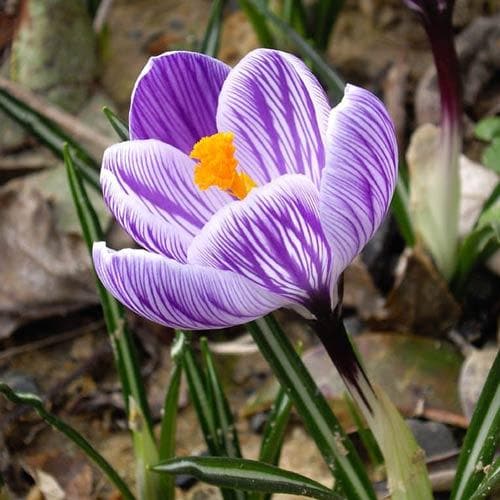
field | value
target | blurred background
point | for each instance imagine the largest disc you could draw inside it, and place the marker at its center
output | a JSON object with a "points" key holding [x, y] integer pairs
{"points": [[67, 59]]}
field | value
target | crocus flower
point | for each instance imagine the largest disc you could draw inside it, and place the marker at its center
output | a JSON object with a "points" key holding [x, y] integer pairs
{"points": [[433, 156], [246, 190]]}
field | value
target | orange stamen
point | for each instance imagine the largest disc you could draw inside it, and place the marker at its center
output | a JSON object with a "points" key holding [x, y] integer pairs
{"points": [[217, 165]]}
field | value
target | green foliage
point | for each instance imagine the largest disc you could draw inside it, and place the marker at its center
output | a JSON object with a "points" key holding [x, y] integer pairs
{"points": [[211, 40], [263, 19], [331, 440], [211, 407], [119, 126], [365, 435], [481, 440], [36, 404], [166, 447], [51, 135], [490, 483], [247, 475], [400, 205], [478, 245], [121, 340], [488, 130], [133, 392], [225, 427]]}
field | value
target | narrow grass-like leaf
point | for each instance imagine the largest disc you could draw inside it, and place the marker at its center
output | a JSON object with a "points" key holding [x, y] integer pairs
{"points": [[136, 404], [490, 483], [248, 475], [202, 402], [166, 447], [200, 398], [51, 135], [330, 77], [481, 440], [273, 436], [491, 155], [259, 23], [274, 431], [491, 200], [478, 245], [325, 16], [211, 39], [119, 126], [331, 440], [121, 340], [34, 402], [225, 427], [365, 434], [224, 422], [294, 14], [400, 210]]}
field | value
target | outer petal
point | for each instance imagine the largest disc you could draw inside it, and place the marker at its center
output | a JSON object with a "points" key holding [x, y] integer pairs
{"points": [[180, 295], [360, 174], [273, 237], [175, 99], [149, 188], [278, 112]]}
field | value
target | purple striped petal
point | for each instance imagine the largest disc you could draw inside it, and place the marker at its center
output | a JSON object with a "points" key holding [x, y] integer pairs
{"points": [[278, 113], [149, 188], [180, 295], [272, 237], [360, 173], [175, 99]]}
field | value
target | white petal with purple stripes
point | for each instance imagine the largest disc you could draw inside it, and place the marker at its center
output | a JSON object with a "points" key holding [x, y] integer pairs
{"points": [[175, 99], [272, 237], [278, 112], [180, 295], [360, 173], [149, 188]]}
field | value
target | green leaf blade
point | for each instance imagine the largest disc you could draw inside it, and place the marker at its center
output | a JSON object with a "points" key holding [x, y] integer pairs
{"points": [[490, 484], [225, 426], [36, 404], [274, 431], [248, 475], [400, 210], [259, 22], [118, 125], [326, 13], [491, 155], [481, 440], [51, 135], [331, 440], [211, 39], [319, 66], [488, 128]]}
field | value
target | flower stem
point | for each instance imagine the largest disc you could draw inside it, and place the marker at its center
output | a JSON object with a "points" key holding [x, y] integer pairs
{"points": [[406, 472], [336, 448]]}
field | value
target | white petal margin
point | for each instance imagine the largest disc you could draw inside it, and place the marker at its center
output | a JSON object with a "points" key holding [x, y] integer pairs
{"points": [[272, 237], [149, 188], [278, 113], [179, 295], [360, 173]]}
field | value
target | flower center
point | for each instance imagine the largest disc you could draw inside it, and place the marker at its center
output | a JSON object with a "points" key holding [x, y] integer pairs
{"points": [[217, 165]]}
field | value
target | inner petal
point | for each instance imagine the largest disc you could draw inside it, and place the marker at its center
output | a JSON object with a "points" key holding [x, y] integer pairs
{"points": [[278, 112], [273, 237]]}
